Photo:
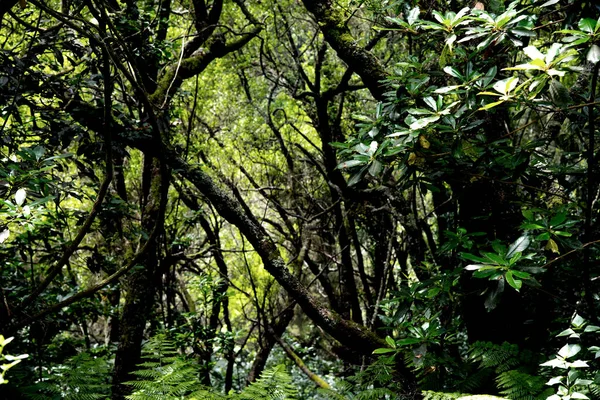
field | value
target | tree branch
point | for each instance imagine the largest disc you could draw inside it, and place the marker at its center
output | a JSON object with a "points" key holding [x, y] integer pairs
{"points": [[338, 35]]}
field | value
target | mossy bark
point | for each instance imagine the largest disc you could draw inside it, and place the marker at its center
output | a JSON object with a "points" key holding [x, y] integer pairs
{"points": [[142, 284], [333, 25]]}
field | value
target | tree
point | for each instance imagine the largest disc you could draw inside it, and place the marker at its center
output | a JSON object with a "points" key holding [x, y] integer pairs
{"points": [[368, 156]]}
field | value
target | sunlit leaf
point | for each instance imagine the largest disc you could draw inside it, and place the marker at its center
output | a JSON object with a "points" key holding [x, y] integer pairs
{"points": [[20, 196], [555, 380], [4, 235], [453, 72], [569, 350], [423, 122], [587, 25], [593, 54], [350, 164], [533, 53], [383, 351], [518, 246], [578, 321], [490, 105], [552, 246]]}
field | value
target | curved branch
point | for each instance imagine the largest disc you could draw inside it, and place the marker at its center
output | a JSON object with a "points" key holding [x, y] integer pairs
{"points": [[346, 332], [333, 25]]}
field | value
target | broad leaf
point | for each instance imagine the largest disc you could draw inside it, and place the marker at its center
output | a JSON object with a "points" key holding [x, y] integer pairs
{"points": [[569, 350], [518, 246]]}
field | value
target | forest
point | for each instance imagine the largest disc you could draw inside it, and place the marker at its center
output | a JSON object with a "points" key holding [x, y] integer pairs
{"points": [[299, 199]]}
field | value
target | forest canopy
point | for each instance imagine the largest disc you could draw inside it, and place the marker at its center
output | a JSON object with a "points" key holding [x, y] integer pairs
{"points": [[312, 199]]}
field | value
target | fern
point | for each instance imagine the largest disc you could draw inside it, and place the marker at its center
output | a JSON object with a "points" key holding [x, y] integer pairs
{"points": [[164, 374], [475, 380], [274, 383], [501, 358], [522, 386], [83, 377]]}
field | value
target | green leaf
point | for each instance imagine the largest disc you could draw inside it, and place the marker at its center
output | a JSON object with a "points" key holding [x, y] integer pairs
{"points": [[408, 341], [495, 258], [20, 197], [453, 72], [384, 351], [419, 111], [555, 380], [59, 157], [555, 363], [390, 341], [561, 97], [473, 257], [413, 16], [578, 321], [532, 226], [552, 246], [350, 164], [587, 25], [566, 332], [505, 86], [490, 105], [38, 151], [569, 350], [41, 201], [543, 236], [375, 168], [423, 122], [515, 283], [431, 103], [474, 267], [518, 246], [521, 274], [4, 234], [577, 395], [593, 54]]}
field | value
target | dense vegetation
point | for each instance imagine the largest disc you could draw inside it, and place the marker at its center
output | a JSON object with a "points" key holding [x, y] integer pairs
{"points": [[311, 199]]}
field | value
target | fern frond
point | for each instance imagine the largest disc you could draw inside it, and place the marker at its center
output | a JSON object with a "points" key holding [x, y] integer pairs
{"points": [[518, 385], [274, 384], [82, 377], [500, 357]]}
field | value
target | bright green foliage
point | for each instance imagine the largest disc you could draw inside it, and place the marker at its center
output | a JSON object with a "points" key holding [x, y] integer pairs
{"points": [[165, 374], [577, 381], [501, 358], [514, 384], [8, 361], [435, 213], [83, 377]]}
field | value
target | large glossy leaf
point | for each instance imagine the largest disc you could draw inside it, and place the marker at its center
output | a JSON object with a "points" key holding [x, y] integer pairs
{"points": [[569, 350], [518, 246]]}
